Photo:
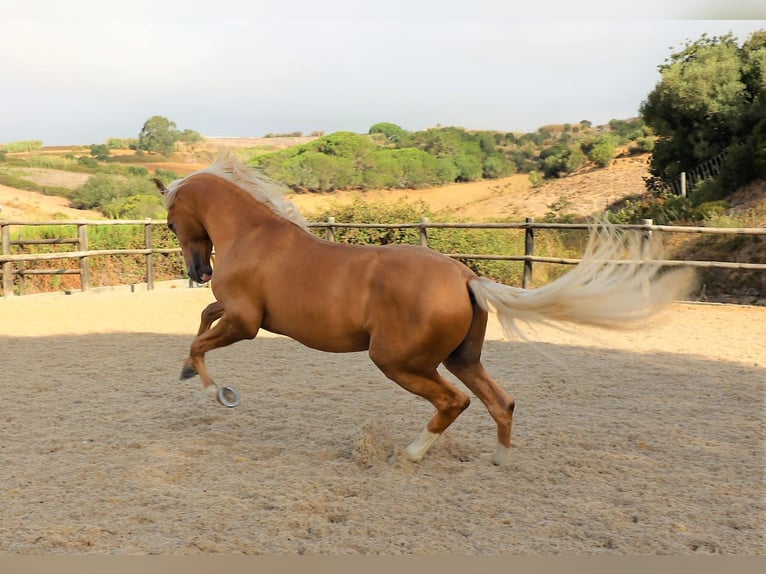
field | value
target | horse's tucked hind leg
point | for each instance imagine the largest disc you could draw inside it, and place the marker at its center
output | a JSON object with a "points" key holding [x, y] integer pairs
{"points": [[465, 364], [210, 314], [448, 401]]}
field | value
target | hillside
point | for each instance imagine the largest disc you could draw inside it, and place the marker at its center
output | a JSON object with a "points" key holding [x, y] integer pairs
{"points": [[586, 192]]}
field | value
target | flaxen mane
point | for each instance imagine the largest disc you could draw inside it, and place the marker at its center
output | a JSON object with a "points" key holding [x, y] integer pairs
{"points": [[263, 188]]}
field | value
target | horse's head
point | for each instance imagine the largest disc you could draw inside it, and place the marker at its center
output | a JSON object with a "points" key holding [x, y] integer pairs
{"points": [[195, 242]]}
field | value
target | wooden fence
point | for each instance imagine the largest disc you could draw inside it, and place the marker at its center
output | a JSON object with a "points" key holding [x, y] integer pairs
{"points": [[12, 263]]}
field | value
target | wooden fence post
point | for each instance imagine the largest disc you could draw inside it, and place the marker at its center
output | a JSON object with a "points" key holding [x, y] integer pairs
{"points": [[330, 231], [424, 232], [646, 237], [82, 237], [5, 234], [149, 256], [529, 251], [21, 267]]}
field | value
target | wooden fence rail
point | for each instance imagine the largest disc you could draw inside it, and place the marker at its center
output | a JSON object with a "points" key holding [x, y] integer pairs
{"points": [[10, 271]]}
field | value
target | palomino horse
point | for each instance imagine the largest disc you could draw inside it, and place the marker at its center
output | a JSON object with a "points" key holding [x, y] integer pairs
{"points": [[410, 307]]}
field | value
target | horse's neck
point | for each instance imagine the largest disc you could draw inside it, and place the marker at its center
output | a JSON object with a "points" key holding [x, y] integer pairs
{"points": [[227, 220]]}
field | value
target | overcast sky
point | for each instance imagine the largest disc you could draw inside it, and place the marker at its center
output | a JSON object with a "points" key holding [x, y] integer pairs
{"points": [[82, 71]]}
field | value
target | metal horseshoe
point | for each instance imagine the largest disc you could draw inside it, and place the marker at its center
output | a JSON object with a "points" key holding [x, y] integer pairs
{"points": [[228, 397]]}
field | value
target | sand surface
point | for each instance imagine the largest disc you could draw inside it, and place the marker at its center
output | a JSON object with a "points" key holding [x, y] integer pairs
{"points": [[637, 442]]}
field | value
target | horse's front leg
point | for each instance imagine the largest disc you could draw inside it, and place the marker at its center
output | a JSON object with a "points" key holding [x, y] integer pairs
{"points": [[225, 332]]}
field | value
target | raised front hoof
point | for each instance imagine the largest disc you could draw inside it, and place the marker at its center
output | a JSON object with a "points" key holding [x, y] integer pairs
{"points": [[188, 372]]}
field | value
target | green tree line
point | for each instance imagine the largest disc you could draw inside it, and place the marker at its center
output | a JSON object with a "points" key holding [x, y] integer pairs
{"points": [[709, 102], [389, 156]]}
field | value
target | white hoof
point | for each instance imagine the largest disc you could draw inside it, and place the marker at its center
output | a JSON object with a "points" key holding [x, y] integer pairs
{"points": [[211, 390], [417, 450], [500, 457]]}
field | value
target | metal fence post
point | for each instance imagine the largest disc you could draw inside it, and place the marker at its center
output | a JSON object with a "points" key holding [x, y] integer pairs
{"points": [[424, 232], [330, 230], [529, 251]]}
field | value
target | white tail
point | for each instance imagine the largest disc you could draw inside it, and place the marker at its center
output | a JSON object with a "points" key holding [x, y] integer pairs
{"points": [[615, 285]]}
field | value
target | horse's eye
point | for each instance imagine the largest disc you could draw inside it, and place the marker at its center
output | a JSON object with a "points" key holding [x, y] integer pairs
{"points": [[172, 227]]}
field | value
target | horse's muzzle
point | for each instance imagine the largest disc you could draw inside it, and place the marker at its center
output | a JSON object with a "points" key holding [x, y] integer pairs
{"points": [[201, 274]]}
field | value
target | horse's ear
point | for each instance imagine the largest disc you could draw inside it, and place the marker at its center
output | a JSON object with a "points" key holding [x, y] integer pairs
{"points": [[160, 185]]}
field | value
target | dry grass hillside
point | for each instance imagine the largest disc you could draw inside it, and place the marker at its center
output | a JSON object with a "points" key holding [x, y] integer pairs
{"points": [[587, 192]]}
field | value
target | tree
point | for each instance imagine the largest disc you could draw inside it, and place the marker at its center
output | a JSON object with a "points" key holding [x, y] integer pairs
{"points": [[159, 135], [709, 100], [191, 137]]}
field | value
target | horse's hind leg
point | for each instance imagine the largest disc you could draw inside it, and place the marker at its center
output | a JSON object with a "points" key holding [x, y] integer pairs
{"points": [[448, 401], [210, 315], [499, 403], [465, 364]]}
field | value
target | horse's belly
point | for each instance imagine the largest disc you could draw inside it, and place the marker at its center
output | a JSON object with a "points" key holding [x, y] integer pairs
{"points": [[321, 338]]}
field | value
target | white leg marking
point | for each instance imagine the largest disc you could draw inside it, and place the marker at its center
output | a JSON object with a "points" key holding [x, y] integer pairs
{"points": [[502, 455], [417, 450]]}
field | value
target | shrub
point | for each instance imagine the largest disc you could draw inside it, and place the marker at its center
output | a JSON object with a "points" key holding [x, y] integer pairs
{"points": [[645, 144], [140, 206], [361, 211], [401, 168], [318, 172], [710, 210], [22, 146], [100, 151], [603, 151], [138, 171], [122, 143], [535, 178], [54, 162], [392, 133], [106, 192], [561, 159], [166, 175]]}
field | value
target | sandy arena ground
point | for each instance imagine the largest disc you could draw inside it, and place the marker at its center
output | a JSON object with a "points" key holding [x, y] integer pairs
{"points": [[640, 442]]}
